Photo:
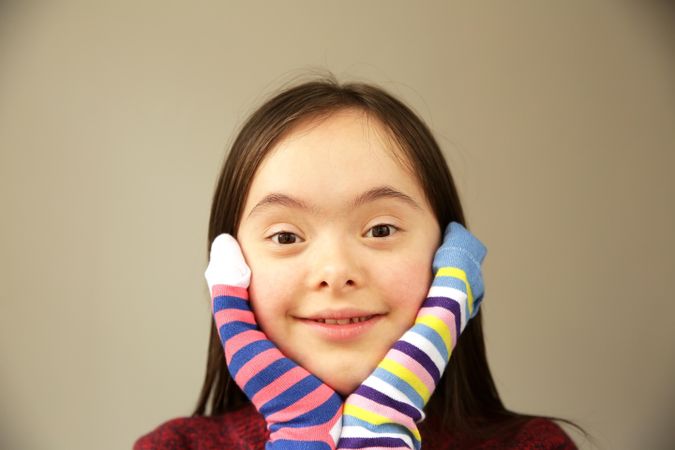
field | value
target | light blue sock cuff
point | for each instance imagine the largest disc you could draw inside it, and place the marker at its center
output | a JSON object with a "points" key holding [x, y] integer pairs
{"points": [[463, 250]]}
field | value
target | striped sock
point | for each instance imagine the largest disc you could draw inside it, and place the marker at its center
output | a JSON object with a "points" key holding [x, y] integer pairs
{"points": [[384, 411], [300, 410]]}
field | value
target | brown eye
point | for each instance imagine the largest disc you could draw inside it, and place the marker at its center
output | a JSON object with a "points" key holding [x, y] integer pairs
{"points": [[381, 230], [284, 237]]}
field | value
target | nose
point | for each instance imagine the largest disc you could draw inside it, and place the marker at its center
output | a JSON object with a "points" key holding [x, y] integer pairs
{"points": [[336, 266]]}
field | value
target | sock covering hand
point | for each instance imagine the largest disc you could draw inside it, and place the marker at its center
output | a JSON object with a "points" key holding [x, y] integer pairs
{"points": [[384, 410], [300, 410]]}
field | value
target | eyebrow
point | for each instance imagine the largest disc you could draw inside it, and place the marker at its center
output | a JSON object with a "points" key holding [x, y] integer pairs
{"points": [[381, 192], [371, 195]]}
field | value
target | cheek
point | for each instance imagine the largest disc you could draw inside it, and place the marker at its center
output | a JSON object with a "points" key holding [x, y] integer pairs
{"points": [[271, 294], [405, 283]]}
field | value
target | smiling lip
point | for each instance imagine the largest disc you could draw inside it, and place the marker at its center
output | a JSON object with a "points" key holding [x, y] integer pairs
{"points": [[341, 325]]}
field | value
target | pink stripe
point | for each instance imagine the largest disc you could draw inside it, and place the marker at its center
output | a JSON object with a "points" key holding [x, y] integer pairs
{"points": [[223, 289], [279, 385], [390, 413], [256, 364], [443, 314], [235, 343], [307, 403], [233, 315], [412, 365], [386, 448], [319, 432]]}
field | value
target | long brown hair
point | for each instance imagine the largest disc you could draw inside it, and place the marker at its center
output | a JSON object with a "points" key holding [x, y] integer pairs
{"points": [[466, 398]]}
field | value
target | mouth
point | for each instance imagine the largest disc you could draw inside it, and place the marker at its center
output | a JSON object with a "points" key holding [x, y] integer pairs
{"points": [[342, 325], [346, 321]]}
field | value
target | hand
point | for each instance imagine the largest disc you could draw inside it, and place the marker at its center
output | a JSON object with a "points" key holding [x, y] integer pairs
{"points": [[462, 250], [385, 409], [300, 410]]}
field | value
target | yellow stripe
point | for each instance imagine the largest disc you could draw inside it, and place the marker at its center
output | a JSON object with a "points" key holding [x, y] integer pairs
{"points": [[374, 418], [460, 274], [439, 327], [406, 375]]}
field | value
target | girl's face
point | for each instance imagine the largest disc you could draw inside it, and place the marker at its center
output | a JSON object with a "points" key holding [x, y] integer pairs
{"points": [[340, 239]]}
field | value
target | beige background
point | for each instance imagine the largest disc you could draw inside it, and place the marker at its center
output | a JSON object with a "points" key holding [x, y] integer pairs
{"points": [[557, 118]]}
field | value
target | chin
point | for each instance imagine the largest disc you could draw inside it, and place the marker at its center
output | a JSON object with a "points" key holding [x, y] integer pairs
{"points": [[343, 387], [343, 370], [343, 380]]}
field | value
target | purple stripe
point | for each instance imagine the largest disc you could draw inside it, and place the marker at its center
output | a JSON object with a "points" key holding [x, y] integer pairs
{"points": [[386, 442], [447, 303], [419, 356], [385, 400]]}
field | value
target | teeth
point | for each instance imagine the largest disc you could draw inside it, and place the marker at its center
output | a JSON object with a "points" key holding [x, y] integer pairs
{"points": [[343, 321]]}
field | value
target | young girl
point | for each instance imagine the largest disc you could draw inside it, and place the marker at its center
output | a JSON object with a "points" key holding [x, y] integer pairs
{"points": [[347, 309]]}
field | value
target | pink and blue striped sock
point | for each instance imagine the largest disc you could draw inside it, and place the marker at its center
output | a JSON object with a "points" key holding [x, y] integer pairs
{"points": [[384, 411], [300, 410]]}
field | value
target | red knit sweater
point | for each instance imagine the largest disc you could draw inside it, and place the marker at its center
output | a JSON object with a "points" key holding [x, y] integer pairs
{"points": [[245, 430]]}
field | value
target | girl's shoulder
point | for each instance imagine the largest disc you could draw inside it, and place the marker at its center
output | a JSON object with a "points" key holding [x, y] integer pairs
{"points": [[241, 429], [245, 429], [537, 433], [542, 433]]}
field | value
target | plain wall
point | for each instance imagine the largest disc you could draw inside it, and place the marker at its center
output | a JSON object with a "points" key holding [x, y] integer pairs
{"points": [[557, 120]]}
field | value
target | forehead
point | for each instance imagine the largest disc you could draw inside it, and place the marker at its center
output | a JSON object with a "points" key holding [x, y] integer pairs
{"points": [[343, 153]]}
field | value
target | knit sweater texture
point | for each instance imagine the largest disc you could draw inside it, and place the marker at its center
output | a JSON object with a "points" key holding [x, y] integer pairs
{"points": [[245, 429]]}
